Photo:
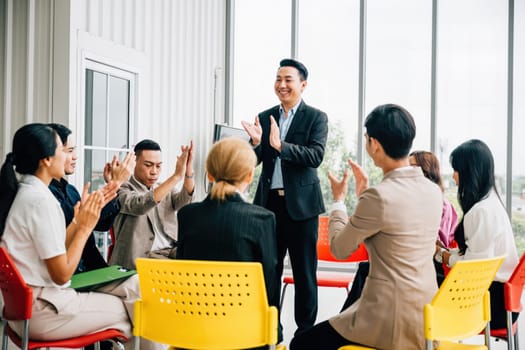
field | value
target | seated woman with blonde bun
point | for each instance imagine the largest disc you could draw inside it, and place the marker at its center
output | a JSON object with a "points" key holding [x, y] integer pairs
{"points": [[224, 226]]}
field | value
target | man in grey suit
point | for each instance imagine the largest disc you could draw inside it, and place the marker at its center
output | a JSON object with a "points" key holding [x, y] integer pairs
{"points": [[289, 139], [397, 219], [147, 223]]}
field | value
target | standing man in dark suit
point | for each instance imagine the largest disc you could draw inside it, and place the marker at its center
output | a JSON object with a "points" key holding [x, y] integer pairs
{"points": [[289, 139]]}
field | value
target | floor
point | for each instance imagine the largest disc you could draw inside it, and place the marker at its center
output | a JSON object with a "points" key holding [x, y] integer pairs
{"points": [[330, 301]]}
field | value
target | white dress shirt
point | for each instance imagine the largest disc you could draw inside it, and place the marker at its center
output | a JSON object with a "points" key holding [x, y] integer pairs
{"points": [[35, 231], [488, 234]]}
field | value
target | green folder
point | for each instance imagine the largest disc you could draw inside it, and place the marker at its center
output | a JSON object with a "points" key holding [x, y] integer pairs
{"points": [[94, 279]]}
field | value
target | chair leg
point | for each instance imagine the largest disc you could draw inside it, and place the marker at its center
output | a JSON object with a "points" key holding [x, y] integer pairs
{"points": [[25, 337], [487, 335], [516, 338], [510, 338], [117, 344], [136, 342], [429, 345], [282, 295], [4, 334]]}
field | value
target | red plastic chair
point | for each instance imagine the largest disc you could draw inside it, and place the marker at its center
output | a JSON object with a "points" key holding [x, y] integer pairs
{"points": [[512, 290], [112, 245], [325, 278], [18, 301]]}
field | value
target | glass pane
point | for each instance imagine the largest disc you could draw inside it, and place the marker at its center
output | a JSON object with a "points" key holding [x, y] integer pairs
{"points": [[471, 80], [398, 60], [332, 27], [518, 149], [118, 112], [96, 102], [262, 38]]}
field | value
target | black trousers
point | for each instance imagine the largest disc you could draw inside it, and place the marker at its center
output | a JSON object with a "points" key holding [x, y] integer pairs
{"points": [[299, 238], [498, 315], [320, 337]]}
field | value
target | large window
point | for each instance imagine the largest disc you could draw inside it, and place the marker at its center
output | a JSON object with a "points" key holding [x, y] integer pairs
{"points": [[398, 59], [518, 146], [107, 118], [329, 52], [262, 39], [471, 83], [108, 122], [472, 76]]}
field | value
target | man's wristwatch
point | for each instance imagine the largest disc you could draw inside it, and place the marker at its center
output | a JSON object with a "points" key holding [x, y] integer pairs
{"points": [[439, 255]]}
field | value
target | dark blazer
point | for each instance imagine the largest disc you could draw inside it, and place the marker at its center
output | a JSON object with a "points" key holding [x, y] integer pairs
{"points": [[232, 230], [302, 152], [68, 196]]}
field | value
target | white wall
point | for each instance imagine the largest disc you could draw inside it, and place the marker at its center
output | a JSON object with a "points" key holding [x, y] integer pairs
{"points": [[176, 45]]}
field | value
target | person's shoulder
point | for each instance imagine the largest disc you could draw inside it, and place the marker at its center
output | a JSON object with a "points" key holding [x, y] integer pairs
{"points": [[269, 111], [258, 210], [490, 205], [311, 109], [132, 185], [72, 191], [190, 207]]}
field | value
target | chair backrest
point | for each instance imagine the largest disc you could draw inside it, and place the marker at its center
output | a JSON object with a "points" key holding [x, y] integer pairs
{"points": [[323, 246], [112, 244], [212, 304], [461, 307], [513, 288], [18, 297]]}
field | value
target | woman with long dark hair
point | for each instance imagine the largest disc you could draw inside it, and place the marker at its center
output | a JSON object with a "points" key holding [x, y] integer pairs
{"points": [[32, 230], [485, 230]]}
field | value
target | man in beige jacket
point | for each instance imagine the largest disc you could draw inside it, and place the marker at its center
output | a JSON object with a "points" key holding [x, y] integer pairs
{"points": [[397, 220], [147, 223]]}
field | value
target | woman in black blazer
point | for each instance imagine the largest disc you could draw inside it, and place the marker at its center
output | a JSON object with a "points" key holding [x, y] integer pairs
{"points": [[226, 227]]}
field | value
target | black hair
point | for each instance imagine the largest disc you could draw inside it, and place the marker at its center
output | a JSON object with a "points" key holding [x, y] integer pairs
{"points": [[289, 62], [62, 131], [393, 127], [146, 145], [474, 164], [31, 143]]}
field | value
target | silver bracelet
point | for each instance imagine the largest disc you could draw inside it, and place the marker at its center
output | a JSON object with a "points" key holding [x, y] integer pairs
{"points": [[189, 176]]}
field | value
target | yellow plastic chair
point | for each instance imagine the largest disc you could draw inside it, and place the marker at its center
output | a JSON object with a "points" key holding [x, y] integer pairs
{"points": [[204, 305], [461, 307]]}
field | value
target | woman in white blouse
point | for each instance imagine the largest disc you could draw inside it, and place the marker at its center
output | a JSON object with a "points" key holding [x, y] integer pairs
{"points": [[32, 229], [485, 230]]}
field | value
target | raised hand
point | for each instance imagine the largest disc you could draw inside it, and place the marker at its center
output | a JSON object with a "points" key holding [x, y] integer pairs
{"points": [[189, 163], [182, 161], [275, 134], [253, 130], [361, 178], [339, 187], [109, 191], [120, 171]]}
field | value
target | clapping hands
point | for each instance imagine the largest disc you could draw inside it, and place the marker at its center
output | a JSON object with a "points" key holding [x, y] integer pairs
{"points": [[340, 187], [119, 172], [253, 130]]}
